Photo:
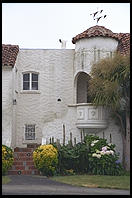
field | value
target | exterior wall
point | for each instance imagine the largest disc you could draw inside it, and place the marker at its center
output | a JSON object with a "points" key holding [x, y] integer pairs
{"points": [[58, 71], [88, 51], [41, 107], [7, 106], [55, 128]]}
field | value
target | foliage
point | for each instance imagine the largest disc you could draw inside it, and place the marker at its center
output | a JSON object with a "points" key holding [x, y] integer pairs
{"points": [[103, 160], [7, 158], [110, 87], [72, 158], [110, 82], [93, 156], [45, 158]]}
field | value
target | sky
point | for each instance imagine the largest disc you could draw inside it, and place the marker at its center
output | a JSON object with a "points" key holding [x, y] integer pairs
{"points": [[41, 25]]}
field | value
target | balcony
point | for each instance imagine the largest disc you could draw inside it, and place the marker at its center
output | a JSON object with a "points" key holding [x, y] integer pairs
{"points": [[89, 116]]}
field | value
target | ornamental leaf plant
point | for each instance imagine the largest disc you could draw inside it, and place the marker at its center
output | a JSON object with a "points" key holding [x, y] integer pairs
{"points": [[45, 158], [7, 158], [109, 86]]}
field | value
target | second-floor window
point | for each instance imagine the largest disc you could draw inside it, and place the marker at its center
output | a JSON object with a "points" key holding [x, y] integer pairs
{"points": [[30, 81]]}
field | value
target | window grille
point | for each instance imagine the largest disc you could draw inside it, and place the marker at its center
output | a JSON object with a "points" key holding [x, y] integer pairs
{"points": [[30, 132]]}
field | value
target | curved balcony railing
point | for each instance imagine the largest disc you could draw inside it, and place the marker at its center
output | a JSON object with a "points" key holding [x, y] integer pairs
{"points": [[89, 116]]}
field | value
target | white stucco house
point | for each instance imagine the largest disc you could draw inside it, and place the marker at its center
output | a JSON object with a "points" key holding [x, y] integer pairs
{"points": [[44, 91]]}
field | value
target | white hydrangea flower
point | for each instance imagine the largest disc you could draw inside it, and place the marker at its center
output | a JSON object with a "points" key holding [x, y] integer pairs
{"points": [[98, 156], [102, 152], [108, 152], [95, 141], [97, 151], [94, 155], [111, 152]]}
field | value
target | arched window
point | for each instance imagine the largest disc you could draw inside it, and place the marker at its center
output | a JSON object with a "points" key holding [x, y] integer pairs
{"points": [[82, 88], [30, 81]]}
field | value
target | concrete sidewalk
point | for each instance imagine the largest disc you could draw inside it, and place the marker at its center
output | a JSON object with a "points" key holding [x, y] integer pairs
{"points": [[40, 185]]}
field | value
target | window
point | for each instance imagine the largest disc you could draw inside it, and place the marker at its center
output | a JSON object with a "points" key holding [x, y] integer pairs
{"points": [[30, 132], [30, 81]]}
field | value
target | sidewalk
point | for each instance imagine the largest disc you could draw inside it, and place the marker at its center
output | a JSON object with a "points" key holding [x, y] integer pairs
{"points": [[40, 185]]}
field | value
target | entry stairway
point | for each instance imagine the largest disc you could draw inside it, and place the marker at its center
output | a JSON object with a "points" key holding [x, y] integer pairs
{"points": [[23, 161]]}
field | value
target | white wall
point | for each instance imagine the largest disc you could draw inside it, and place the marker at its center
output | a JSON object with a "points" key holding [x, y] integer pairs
{"points": [[88, 51], [55, 68], [57, 71], [7, 105]]}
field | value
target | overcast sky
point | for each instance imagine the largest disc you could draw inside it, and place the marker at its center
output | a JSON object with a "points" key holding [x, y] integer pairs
{"points": [[41, 25]]}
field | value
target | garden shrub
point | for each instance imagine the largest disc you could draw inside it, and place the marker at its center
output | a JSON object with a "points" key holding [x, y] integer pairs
{"points": [[45, 158], [72, 158], [103, 159], [94, 156], [7, 158]]}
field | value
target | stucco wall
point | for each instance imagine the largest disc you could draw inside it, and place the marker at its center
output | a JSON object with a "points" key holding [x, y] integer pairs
{"points": [[58, 71], [88, 51], [7, 105], [55, 68]]}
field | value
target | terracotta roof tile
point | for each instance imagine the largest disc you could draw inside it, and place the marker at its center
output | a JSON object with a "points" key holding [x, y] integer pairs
{"points": [[123, 38], [9, 54]]}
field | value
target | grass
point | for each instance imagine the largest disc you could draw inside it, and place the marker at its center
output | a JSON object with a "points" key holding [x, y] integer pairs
{"points": [[5, 179], [96, 181]]}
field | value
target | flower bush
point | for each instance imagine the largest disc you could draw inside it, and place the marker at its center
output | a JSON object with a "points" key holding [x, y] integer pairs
{"points": [[7, 158], [102, 157], [93, 156], [45, 158]]}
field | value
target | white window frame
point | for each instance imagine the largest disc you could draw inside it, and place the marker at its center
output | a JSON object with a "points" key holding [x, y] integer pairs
{"points": [[30, 80]]}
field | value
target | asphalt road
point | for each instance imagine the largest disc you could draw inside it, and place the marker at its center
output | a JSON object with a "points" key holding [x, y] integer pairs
{"points": [[40, 185]]}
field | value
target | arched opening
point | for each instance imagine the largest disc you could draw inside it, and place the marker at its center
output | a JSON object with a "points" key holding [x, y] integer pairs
{"points": [[82, 88]]}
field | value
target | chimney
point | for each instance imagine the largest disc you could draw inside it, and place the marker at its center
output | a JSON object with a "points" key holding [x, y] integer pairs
{"points": [[63, 44]]}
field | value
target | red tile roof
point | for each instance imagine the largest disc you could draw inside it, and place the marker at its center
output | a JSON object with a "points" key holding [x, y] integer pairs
{"points": [[123, 38], [124, 43], [9, 54]]}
